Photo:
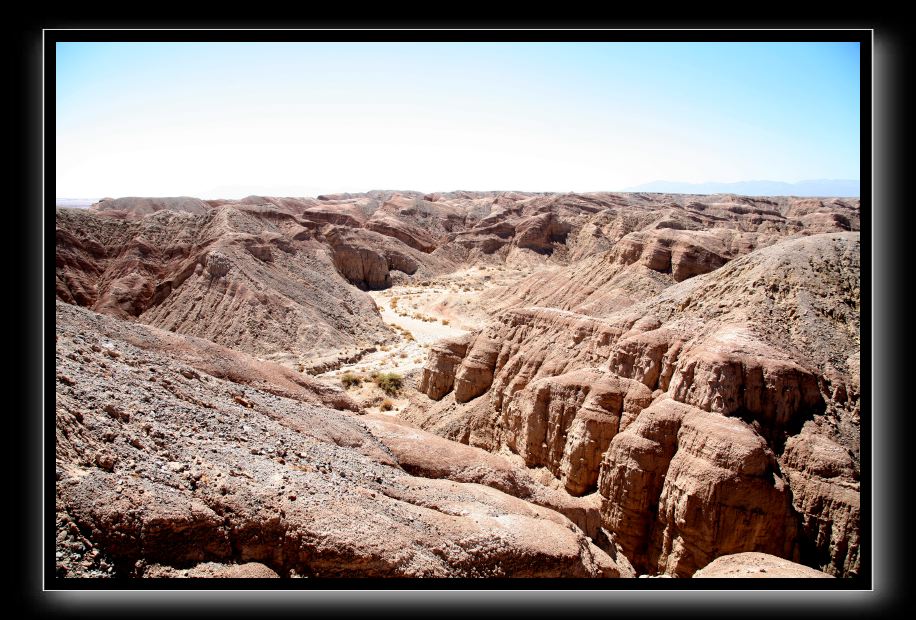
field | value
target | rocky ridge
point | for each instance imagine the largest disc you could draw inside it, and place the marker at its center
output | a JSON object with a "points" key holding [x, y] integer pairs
{"points": [[675, 383], [166, 471]]}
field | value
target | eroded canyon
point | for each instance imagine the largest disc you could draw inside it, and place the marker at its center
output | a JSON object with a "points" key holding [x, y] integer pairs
{"points": [[587, 385]]}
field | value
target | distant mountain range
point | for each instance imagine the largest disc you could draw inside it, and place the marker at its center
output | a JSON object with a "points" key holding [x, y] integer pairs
{"points": [[839, 188], [845, 188]]}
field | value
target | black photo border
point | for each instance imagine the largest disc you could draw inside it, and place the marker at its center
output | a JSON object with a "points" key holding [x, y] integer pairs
{"points": [[882, 580]]}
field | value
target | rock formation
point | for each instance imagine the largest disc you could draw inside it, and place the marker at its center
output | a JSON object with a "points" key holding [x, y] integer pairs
{"points": [[669, 387], [761, 352], [164, 470], [756, 566]]}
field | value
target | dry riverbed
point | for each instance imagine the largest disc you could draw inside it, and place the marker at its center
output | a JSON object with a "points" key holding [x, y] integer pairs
{"points": [[420, 315]]}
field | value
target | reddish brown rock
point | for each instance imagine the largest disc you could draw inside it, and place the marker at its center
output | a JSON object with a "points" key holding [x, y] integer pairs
{"points": [[824, 479], [209, 358], [722, 494], [734, 373], [131, 208], [541, 233], [201, 275], [633, 474], [299, 488], [392, 227], [744, 309], [361, 265], [682, 254], [647, 356], [753, 565], [475, 373], [439, 371], [567, 422], [769, 338]]}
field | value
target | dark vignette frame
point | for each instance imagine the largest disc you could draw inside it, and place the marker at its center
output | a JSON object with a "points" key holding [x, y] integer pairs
{"points": [[877, 589]]}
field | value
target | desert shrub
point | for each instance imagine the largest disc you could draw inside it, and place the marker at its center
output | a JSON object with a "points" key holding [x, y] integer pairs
{"points": [[388, 382], [394, 302], [373, 401], [348, 379], [445, 321], [386, 405]]}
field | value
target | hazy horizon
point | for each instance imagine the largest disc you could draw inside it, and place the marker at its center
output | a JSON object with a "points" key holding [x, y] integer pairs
{"points": [[836, 188], [227, 120]]}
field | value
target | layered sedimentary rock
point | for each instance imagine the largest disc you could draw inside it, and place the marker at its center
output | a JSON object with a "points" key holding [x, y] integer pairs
{"points": [[758, 363], [722, 494], [255, 281], [141, 258], [566, 422], [162, 471], [439, 373], [676, 381], [138, 207], [428, 455]]}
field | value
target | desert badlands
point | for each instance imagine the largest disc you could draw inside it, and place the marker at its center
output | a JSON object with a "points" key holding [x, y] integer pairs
{"points": [[462, 384]]}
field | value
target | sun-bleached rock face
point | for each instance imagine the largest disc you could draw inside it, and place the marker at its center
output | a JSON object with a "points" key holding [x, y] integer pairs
{"points": [[709, 486], [360, 265], [676, 381], [475, 373], [753, 565], [128, 208], [824, 478], [647, 356], [734, 374], [633, 474], [566, 423], [164, 471], [350, 215], [541, 233], [257, 283], [680, 253], [753, 364], [439, 372], [428, 455], [392, 227], [722, 494]]}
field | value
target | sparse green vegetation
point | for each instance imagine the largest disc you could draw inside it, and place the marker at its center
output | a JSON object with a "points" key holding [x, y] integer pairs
{"points": [[389, 382], [348, 379]]}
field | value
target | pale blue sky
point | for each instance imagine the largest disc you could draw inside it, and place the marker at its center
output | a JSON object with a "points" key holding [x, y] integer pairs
{"points": [[228, 120]]}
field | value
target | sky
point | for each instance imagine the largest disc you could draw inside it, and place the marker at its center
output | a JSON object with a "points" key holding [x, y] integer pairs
{"points": [[227, 120]]}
